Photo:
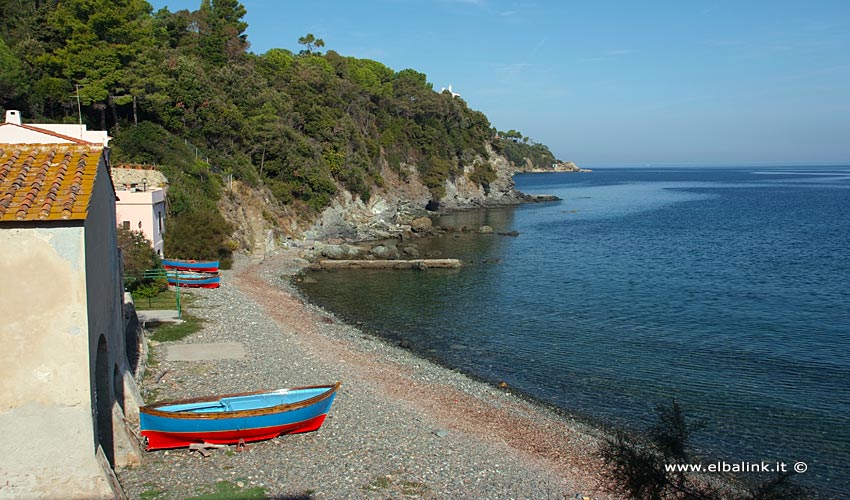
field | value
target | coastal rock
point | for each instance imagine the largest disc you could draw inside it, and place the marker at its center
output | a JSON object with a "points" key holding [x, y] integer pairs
{"points": [[561, 166], [352, 251], [485, 230], [410, 251], [421, 225], [338, 252], [384, 252], [333, 252], [538, 198]]}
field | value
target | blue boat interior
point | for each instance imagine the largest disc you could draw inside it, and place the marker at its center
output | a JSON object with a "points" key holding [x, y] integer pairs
{"points": [[249, 402]]}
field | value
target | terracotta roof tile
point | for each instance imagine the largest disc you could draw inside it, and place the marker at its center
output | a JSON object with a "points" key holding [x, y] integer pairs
{"points": [[46, 181]]}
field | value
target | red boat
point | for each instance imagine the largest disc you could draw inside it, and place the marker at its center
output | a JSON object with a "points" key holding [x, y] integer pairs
{"points": [[192, 279], [251, 416]]}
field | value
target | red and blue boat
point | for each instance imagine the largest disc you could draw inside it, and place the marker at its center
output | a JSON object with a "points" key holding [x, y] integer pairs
{"points": [[205, 266], [229, 419], [193, 279]]}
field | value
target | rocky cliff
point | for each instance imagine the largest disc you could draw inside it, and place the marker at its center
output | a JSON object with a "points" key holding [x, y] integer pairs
{"points": [[393, 210]]}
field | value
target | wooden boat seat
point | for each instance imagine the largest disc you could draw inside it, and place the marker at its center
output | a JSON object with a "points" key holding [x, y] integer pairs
{"points": [[207, 407], [239, 403]]}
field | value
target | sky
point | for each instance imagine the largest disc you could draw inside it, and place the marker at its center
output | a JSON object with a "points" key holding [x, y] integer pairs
{"points": [[638, 82]]}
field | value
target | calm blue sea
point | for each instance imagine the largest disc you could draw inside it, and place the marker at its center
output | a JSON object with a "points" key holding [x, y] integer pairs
{"points": [[725, 288]]}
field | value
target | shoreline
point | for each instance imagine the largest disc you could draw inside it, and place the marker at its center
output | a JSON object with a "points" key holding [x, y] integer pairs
{"points": [[430, 432]]}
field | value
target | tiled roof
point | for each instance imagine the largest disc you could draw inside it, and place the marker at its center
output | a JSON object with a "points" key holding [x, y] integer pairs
{"points": [[46, 181]]}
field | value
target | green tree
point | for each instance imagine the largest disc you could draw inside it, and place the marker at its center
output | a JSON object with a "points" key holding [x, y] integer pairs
{"points": [[138, 256], [221, 31], [102, 40], [13, 82], [310, 41]]}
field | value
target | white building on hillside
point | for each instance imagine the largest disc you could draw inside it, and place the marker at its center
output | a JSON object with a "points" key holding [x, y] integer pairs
{"points": [[13, 131]]}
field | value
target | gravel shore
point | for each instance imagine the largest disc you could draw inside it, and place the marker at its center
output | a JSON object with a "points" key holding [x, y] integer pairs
{"points": [[400, 427]]}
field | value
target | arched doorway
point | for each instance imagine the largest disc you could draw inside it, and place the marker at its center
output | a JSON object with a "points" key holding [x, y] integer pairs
{"points": [[103, 401]]}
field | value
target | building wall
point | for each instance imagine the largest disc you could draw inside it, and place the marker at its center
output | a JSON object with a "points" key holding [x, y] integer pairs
{"points": [[65, 385], [145, 211], [13, 132], [113, 388], [20, 135], [45, 400], [105, 299], [76, 131]]}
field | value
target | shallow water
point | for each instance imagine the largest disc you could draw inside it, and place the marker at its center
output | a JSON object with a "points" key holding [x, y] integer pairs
{"points": [[725, 288]]}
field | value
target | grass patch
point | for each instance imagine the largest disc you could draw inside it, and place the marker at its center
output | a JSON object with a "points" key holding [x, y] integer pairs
{"points": [[150, 494], [380, 483], [169, 332], [394, 487], [225, 490], [167, 299], [412, 488]]}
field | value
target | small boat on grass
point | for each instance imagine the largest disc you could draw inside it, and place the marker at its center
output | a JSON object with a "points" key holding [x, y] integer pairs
{"points": [[229, 419], [193, 279], [206, 266]]}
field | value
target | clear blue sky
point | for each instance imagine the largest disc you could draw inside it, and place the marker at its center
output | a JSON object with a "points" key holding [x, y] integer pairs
{"points": [[610, 81]]}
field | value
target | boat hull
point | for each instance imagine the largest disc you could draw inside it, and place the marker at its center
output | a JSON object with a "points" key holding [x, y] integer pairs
{"points": [[160, 440], [190, 281], [182, 423], [208, 266]]}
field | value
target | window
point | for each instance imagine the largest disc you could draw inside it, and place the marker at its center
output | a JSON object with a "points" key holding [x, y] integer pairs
{"points": [[126, 225]]}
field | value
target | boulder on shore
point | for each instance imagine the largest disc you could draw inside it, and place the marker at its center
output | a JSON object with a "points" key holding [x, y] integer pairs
{"points": [[384, 252], [421, 225]]}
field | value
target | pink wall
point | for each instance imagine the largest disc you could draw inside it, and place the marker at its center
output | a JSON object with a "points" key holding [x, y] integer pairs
{"points": [[145, 211]]}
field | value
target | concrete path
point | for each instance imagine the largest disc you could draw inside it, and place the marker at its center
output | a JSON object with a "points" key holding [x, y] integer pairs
{"points": [[159, 315], [205, 352]]}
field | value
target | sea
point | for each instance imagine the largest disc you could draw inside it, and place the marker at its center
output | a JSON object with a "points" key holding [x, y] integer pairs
{"points": [[726, 289]]}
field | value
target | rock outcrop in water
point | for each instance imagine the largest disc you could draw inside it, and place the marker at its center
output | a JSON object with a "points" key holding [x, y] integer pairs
{"points": [[564, 166]]}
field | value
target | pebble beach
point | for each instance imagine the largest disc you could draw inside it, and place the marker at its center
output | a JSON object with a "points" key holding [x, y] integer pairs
{"points": [[400, 427]]}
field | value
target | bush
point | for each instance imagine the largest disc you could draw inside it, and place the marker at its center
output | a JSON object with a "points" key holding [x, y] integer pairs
{"points": [[201, 235], [138, 256], [517, 152], [637, 467]]}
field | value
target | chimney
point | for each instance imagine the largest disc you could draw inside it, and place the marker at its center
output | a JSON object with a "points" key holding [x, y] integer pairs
{"points": [[13, 117]]}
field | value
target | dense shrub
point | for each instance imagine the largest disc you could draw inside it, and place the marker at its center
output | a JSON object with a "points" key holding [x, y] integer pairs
{"points": [[138, 256], [518, 150], [637, 467]]}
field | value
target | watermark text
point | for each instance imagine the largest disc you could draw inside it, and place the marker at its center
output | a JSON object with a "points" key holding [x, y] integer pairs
{"points": [[735, 467]]}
